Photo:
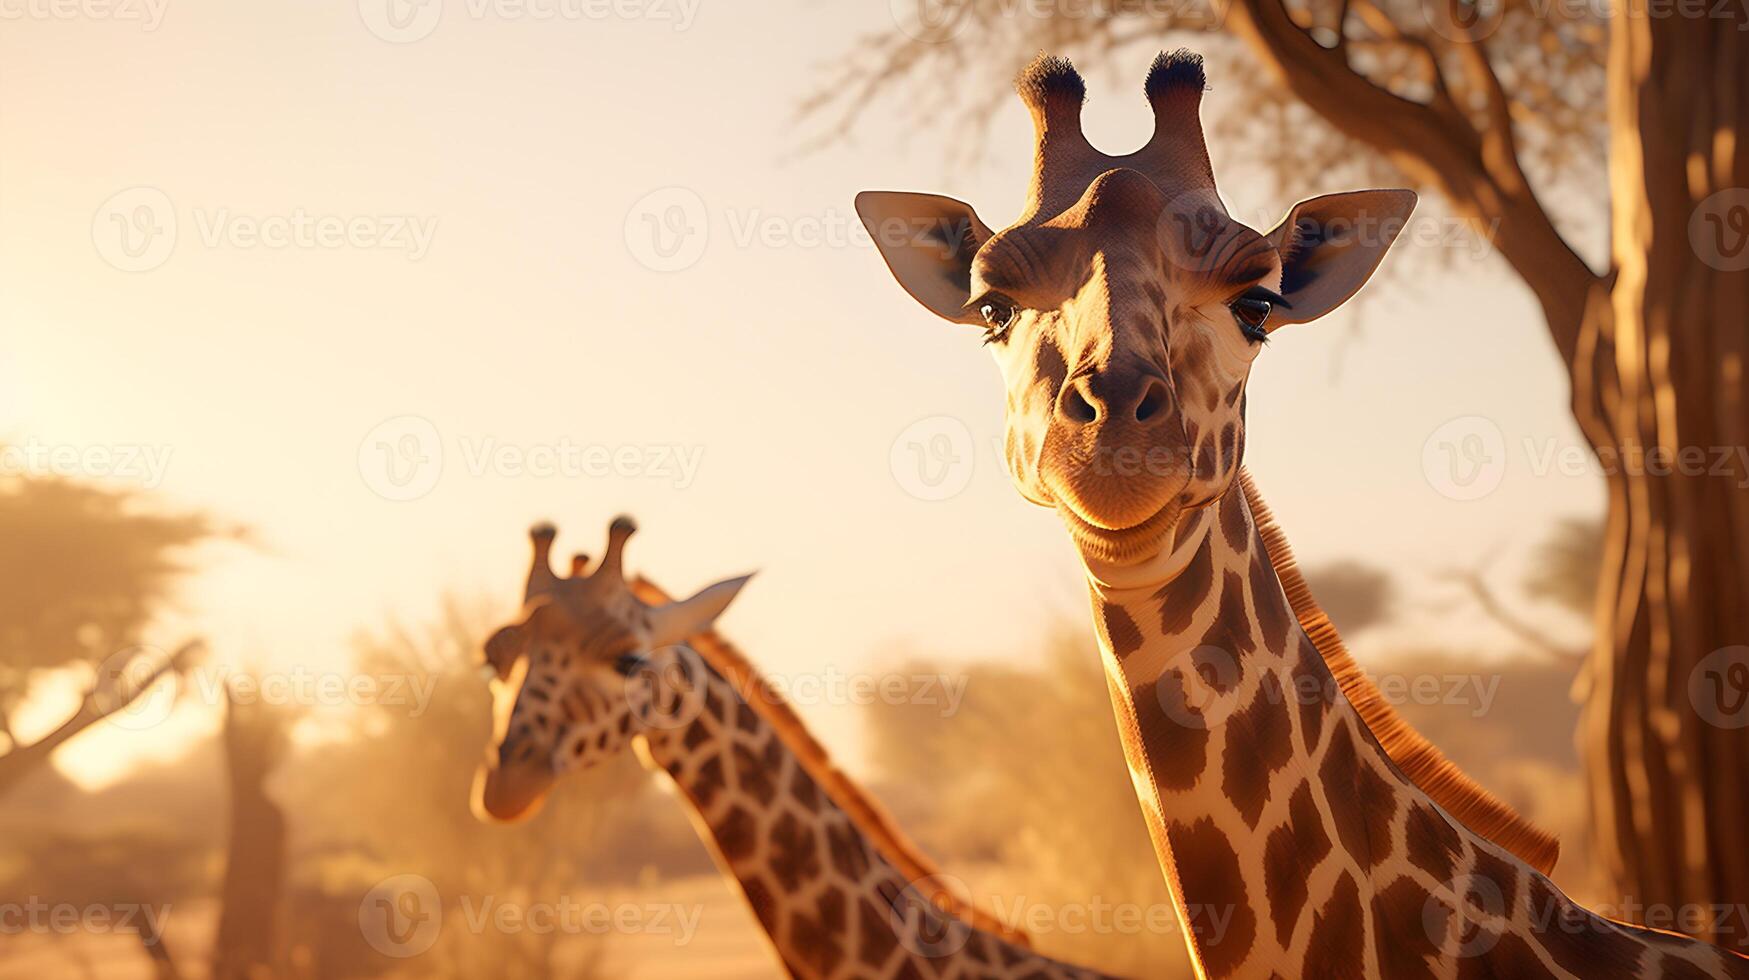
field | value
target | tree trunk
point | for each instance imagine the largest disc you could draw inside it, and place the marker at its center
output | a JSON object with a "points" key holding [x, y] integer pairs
{"points": [[1658, 388], [246, 946]]}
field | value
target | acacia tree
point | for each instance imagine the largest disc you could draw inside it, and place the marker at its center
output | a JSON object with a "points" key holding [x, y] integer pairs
{"points": [[1501, 106], [83, 570]]}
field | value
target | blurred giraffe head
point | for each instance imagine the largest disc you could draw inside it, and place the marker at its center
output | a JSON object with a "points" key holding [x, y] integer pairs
{"points": [[570, 678], [1125, 307]]}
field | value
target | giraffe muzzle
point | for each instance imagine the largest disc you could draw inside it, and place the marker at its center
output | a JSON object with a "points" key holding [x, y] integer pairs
{"points": [[511, 791]]}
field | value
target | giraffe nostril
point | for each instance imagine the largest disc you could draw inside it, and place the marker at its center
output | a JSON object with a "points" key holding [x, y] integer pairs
{"points": [[1075, 406], [1153, 401]]}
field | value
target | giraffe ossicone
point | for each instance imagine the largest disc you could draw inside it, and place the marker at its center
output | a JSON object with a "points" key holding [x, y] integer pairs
{"points": [[597, 664], [1125, 309]]}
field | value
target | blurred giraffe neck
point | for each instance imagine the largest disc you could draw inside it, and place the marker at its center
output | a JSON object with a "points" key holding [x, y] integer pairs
{"points": [[832, 902]]}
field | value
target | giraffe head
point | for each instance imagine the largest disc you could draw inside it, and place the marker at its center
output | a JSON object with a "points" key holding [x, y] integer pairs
{"points": [[571, 678], [1125, 307]]}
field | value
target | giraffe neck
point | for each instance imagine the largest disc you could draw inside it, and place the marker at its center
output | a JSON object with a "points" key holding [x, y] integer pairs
{"points": [[830, 901], [1292, 843]]}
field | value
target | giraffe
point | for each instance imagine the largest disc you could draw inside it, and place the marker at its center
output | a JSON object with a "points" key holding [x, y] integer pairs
{"points": [[1125, 308], [594, 666]]}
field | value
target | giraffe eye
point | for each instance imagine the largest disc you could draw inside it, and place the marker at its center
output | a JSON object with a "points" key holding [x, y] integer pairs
{"points": [[999, 315], [1252, 312], [627, 664]]}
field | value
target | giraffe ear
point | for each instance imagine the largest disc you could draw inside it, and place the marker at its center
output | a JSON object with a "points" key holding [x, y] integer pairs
{"points": [[1329, 247], [507, 644], [928, 242], [676, 621]]}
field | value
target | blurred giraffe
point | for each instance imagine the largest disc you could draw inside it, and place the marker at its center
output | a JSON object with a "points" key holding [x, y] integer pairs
{"points": [[592, 667]]}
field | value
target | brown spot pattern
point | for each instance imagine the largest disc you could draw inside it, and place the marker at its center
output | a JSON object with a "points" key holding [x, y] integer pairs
{"points": [[1510, 956], [1361, 802], [1433, 843], [1404, 945], [847, 850], [1233, 520], [735, 835], [1259, 743], [1212, 885], [1183, 596], [1271, 605], [751, 776], [1120, 630], [1231, 630], [1493, 884], [1579, 942], [795, 857], [1313, 693], [1174, 733], [1338, 935], [1290, 853]]}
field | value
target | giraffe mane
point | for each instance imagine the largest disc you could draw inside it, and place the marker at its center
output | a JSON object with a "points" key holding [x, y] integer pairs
{"points": [[869, 816], [1418, 759]]}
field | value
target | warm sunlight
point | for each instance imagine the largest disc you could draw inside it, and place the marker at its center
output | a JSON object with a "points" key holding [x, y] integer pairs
{"points": [[335, 331]]}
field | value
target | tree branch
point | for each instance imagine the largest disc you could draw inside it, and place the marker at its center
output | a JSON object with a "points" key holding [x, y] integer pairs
{"points": [[96, 705], [1479, 174], [1479, 590]]}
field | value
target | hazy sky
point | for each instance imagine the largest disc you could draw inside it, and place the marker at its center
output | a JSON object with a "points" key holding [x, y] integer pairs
{"points": [[285, 260]]}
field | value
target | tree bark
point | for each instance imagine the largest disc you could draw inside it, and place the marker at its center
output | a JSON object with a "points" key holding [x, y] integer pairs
{"points": [[247, 942], [1665, 732]]}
